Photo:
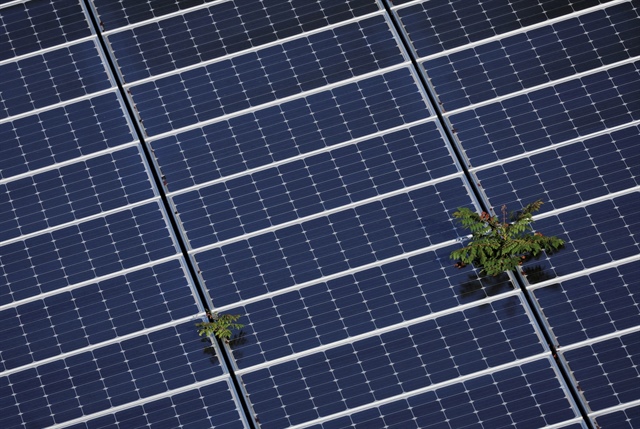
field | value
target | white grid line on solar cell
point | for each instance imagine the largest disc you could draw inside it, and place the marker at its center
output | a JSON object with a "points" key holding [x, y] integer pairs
{"points": [[581, 273], [514, 32], [530, 153], [71, 161], [327, 212], [152, 138], [35, 364], [380, 331], [542, 86], [144, 401], [350, 271], [78, 221], [431, 388], [302, 156], [128, 85], [60, 104]]}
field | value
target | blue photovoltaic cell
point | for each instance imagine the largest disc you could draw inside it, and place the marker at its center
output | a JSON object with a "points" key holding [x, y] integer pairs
{"points": [[40, 24], [73, 192], [437, 25], [330, 244], [536, 57], [211, 406], [607, 371], [289, 129], [312, 185], [82, 252], [567, 175], [356, 304], [113, 375], [594, 235], [224, 29], [527, 397], [267, 75], [95, 313], [550, 115], [62, 134], [50, 78], [622, 419], [592, 305], [382, 366]]}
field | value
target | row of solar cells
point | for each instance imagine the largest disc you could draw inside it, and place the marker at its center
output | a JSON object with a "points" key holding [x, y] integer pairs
{"points": [[339, 177], [295, 127]]}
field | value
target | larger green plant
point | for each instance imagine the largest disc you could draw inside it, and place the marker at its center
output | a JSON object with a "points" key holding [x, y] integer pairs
{"points": [[499, 245], [220, 325]]}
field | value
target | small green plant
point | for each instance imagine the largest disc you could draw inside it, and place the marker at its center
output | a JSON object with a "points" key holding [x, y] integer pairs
{"points": [[500, 245], [219, 325]]}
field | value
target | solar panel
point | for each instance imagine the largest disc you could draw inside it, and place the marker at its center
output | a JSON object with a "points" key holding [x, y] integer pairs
{"points": [[76, 253], [622, 419], [108, 376], [528, 396], [73, 192], [161, 47], [535, 57], [95, 313], [42, 80], [591, 306], [263, 76], [538, 119], [430, 29], [282, 161], [342, 176], [294, 127], [607, 371], [212, 405], [62, 134], [40, 24], [567, 175], [398, 361], [330, 244]]}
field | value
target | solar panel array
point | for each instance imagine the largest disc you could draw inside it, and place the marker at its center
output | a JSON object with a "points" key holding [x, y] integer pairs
{"points": [[298, 163]]}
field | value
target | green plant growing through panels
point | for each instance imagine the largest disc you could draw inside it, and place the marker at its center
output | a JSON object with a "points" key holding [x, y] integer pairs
{"points": [[499, 245], [219, 325]]}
